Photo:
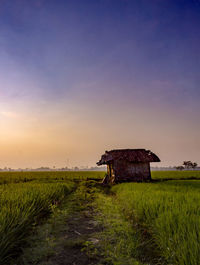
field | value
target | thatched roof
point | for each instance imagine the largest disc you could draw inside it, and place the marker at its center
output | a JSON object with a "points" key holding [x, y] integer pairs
{"points": [[131, 155]]}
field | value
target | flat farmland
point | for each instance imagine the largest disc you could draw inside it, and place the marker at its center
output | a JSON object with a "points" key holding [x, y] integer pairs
{"points": [[48, 176], [137, 223]]}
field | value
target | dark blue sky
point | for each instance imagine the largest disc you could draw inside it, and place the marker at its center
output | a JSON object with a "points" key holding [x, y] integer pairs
{"points": [[108, 59]]}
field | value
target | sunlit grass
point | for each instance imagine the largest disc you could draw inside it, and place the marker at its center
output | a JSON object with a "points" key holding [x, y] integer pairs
{"points": [[185, 174], [21, 206], [170, 212], [48, 176]]}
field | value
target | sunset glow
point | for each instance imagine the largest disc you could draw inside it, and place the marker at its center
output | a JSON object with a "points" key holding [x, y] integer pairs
{"points": [[81, 77]]}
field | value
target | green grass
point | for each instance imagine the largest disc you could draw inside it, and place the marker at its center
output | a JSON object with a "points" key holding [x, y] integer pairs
{"points": [[144, 223], [118, 241], [169, 212], [21, 207], [55, 236], [26, 198], [60, 176], [48, 238], [51, 176], [185, 174]]}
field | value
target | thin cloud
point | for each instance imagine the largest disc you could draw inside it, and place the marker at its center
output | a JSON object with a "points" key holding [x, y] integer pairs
{"points": [[10, 114]]}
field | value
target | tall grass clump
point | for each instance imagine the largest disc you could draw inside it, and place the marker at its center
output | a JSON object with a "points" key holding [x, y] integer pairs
{"points": [[21, 207], [170, 212]]}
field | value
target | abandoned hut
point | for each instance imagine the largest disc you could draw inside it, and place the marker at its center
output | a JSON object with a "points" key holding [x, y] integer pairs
{"points": [[127, 165]]}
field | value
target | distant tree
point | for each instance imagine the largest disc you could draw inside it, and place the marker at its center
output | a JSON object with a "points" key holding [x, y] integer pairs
{"points": [[194, 165], [189, 164], [179, 167]]}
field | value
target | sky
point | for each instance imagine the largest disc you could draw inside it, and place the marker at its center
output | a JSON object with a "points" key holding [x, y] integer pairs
{"points": [[81, 77]]}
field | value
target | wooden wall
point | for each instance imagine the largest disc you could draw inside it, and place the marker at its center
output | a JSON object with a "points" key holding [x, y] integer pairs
{"points": [[127, 171]]}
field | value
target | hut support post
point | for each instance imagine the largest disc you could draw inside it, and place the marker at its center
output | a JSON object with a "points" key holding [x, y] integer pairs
{"points": [[149, 172], [107, 178]]}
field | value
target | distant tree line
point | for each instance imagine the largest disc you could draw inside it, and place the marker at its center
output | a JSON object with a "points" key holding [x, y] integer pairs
{"points": [[187, 165], [44, 168]]}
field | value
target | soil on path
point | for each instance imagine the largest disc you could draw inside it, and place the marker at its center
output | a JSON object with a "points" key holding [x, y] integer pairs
{"points": [[80, 245]]}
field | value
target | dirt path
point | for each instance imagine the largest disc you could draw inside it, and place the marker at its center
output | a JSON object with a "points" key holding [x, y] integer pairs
{"points": [[80, 241], [80, 245]]}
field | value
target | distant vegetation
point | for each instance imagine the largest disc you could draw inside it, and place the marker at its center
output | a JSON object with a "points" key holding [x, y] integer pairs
{"points": [[187, 165], [44, 168]]}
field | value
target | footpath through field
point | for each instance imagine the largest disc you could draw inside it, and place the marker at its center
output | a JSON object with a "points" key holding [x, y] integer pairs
{"points": [[88, 229], [69, 236], [126, 224], [79, 244], [57, 218]]}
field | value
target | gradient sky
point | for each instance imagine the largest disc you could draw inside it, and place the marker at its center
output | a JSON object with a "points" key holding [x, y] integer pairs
{"points": [[81, 77]]}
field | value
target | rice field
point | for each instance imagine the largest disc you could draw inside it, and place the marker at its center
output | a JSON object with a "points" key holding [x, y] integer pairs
{"points": [[22, 206], [166, 210], [60, 176], [186, 174], [169, 212], [48, 176]]}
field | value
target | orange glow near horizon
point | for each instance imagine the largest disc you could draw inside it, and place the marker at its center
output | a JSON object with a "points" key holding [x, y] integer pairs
{"points": [[48, 139]]}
